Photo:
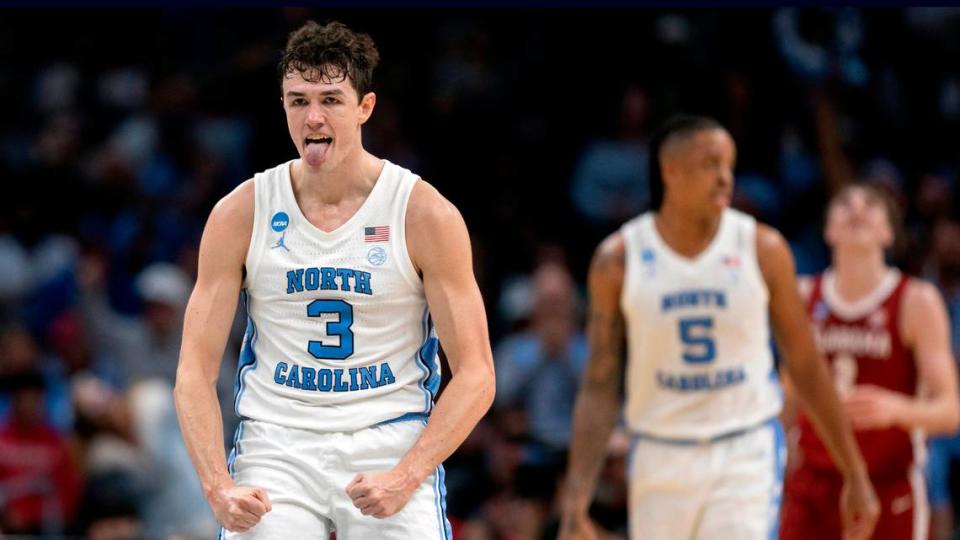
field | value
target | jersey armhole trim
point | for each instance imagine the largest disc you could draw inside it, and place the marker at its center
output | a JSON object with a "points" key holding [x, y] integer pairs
{"points": [[254, 251], [628, 231], [406, 266], [751, 227]]}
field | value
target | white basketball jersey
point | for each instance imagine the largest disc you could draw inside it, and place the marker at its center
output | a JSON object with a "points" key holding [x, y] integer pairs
{"points": [[339, 337], [698, 339]]}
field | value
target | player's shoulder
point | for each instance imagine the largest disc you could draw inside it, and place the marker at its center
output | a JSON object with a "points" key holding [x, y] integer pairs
{"points": [[770, 239], [609, 259], [612, 248], [235, 208], [920, 295], [435, 230], [428, 208]]}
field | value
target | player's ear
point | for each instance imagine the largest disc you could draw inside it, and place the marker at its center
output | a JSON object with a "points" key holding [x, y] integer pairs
{"points": [[888, 238], [367, 104], [668, 170]]}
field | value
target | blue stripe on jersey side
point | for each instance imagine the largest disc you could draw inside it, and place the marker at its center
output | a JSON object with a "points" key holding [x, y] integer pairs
{"points": [[428, 401], [409, 417], [234, 452], [237, 436], [248, 356], [447, 528], [428, 354], [436, 503], [779, 462]]}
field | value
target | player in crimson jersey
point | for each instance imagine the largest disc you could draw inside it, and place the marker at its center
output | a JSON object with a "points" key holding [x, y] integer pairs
{"points": [[887, 340]]}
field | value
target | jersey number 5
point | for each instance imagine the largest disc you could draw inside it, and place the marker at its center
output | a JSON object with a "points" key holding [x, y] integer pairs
{"points": [[340, 327], [698, 344]]}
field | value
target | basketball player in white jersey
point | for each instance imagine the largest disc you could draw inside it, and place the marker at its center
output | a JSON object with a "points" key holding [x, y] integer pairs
{"points": [[688, 289], [346, 262]]}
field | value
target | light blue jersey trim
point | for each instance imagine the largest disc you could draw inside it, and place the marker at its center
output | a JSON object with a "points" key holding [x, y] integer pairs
{"points": [[248, 356], [234, 452], [779, 462], [426, 361], [440, 500], [409, 417], [706, 440]]}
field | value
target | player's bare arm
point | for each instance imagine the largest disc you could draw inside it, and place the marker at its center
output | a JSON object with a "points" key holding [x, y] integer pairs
{"points": [[925, 330], [439, 247], [598, 400], [788, 415], [812, 384], [206, 327]]}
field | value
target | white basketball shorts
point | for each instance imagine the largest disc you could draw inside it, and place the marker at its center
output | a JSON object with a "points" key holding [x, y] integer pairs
{"points": [[729, 487], [305, 474]]}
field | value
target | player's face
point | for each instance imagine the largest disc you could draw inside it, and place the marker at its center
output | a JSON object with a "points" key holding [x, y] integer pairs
{"points": [[858, 217], [702, 173], [324, 119]]}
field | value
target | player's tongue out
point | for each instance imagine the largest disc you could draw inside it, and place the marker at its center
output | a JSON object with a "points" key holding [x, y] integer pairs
{"points": [[315, 148]]}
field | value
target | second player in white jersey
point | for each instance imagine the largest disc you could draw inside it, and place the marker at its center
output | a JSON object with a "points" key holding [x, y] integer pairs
{"points": [[691, 291], [337, 320], [699, 361]]}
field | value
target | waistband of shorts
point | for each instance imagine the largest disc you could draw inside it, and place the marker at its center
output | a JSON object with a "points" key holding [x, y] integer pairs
{"points": [[409, 417], [639, 436]]}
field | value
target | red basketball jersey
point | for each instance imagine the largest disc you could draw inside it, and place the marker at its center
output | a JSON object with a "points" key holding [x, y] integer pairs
{"points": [[861, 342]]}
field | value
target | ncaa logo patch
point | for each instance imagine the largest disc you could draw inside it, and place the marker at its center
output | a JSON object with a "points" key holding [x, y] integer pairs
{"points": [[279, 221], [377, 256]]}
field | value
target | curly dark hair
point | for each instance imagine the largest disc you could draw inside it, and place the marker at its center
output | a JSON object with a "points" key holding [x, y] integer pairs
{"points": [[330, 52]]}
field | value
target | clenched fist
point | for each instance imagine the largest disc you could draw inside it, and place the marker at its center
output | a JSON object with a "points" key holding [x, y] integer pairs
{"points": [[239, 508]]}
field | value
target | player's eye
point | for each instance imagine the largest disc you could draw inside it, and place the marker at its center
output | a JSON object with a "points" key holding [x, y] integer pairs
{"points": [[331, 101], [298, 102]]}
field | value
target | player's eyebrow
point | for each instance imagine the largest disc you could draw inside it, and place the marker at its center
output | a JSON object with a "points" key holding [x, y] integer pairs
{"points": [[333, 92]]}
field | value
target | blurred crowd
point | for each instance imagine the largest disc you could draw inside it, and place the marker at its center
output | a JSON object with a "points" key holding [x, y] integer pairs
{"points": [[122, 129]]}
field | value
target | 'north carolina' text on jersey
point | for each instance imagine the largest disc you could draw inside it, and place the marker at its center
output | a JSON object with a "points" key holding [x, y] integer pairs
{"points": [[339, 336], [698, 340]]}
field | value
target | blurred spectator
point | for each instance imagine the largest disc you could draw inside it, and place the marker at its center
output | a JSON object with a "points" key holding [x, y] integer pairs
{"points": [[610, 183], [818, 43], [538, 370], [146, 347], [39, 483]]}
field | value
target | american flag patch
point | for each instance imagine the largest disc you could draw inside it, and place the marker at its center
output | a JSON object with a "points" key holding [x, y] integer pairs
{"points": [[376, 234]]}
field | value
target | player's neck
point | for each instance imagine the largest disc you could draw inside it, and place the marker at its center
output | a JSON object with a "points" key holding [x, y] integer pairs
{"points": [[686, 234], [353, 176], [857, 273]]}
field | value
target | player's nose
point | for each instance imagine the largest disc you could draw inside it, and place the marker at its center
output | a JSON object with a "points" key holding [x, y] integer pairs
{"points": [[725, 179], [315, 116]]}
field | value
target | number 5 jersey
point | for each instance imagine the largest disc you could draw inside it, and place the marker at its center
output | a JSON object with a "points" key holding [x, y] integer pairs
{"points": [[698, 339], [339, 337]]}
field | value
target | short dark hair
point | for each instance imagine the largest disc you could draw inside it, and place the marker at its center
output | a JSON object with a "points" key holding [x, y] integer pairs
{"points": [[330, 52], [678, 125]]}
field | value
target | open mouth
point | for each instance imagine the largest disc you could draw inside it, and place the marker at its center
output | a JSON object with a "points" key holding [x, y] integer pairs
{"points": [[317, 139]]}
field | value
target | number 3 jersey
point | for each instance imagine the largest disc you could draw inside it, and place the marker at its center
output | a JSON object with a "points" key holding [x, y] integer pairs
{"points": [[338, 336], [698, 341], [861, 342]]}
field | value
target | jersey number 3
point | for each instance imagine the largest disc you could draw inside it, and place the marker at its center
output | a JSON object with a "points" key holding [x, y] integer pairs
{"points": [[698, 344], [340, 327]]}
